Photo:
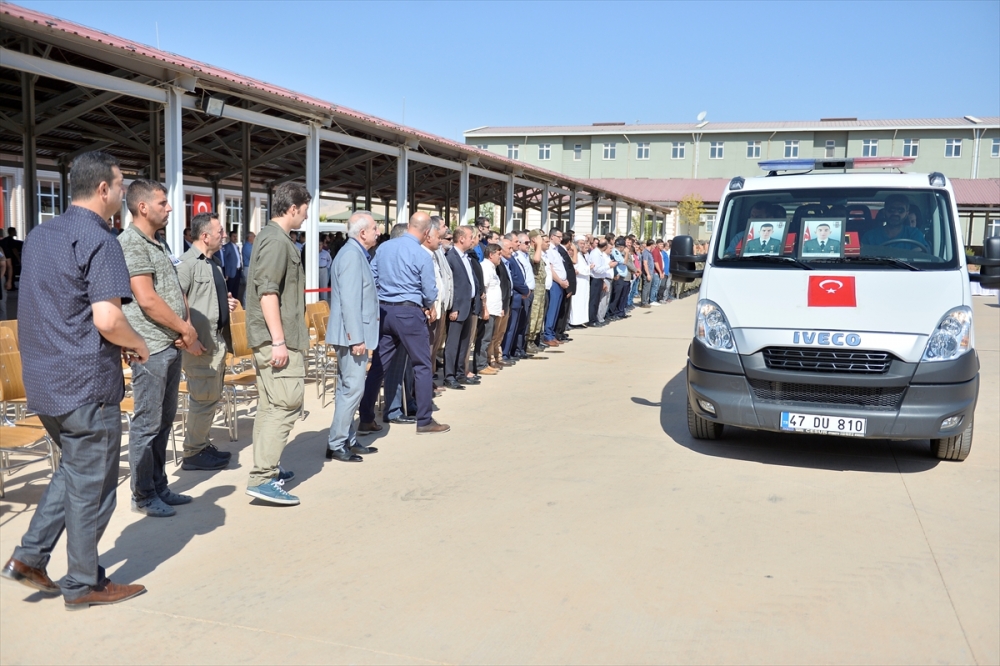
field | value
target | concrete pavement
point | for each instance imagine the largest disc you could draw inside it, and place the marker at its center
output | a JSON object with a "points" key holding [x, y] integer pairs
{"points": [[567, 518]]}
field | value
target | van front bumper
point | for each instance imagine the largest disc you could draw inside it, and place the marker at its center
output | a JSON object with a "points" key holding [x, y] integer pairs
{"points": [[919, 414]]}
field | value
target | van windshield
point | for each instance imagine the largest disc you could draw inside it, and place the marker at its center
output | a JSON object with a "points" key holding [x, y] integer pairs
{"points": [[883, 229]]}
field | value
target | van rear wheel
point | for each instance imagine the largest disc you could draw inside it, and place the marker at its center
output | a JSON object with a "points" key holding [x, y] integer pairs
{"points": [[702, 428], [952, 448]]}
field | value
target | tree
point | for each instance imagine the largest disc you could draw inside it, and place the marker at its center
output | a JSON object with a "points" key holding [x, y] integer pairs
{"points": [[487, 210], [690, 209]]}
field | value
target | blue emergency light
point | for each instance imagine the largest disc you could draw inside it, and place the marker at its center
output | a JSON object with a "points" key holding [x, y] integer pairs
{"points": [[822, 164]]}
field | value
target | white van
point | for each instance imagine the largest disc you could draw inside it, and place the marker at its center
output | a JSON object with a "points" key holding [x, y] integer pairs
{"points": [[835, 301]]}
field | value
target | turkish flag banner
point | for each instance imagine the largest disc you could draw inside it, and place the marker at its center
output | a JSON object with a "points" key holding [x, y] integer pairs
{"points": [[829, 291], [749, 232], [200, 204]]}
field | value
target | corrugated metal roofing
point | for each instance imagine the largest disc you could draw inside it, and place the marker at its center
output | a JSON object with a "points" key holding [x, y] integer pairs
{"points": [[968, 192], [778, 126], [310, 107]]}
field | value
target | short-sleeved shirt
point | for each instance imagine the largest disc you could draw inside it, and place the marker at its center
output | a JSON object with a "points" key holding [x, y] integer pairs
{"points": [[405, 273], [658, 257], [276, 268], [145, 256], [69, 263]]}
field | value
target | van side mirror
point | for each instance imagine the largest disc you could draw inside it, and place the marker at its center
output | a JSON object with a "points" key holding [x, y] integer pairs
{"points": [[989, 266], [683, 260]]}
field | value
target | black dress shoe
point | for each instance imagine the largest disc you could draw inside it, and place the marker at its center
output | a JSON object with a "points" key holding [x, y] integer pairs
{"points": [[343, 455], [360, 450], [453, 385], [403, 420], [468, 381]]}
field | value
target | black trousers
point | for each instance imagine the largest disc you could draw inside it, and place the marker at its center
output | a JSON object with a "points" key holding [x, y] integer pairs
{"points": [[562, 321], [619, 293], [456, 347], [596, 291]]}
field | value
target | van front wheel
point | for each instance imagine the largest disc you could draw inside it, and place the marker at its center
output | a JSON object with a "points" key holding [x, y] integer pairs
{"points": [[948, 448], [702, 428]]}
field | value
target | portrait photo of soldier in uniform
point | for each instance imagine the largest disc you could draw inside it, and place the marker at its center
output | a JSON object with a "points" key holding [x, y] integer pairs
{"points": [[764, 237], [822, 239]]}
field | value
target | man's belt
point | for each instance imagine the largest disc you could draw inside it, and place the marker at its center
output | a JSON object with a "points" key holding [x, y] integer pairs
{"points": [[409, 304]]}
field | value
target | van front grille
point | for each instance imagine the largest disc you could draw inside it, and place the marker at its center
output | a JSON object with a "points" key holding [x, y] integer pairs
{"points": [[881, 398], [853, 361]]}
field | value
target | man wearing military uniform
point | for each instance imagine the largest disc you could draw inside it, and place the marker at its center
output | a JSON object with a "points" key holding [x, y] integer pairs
{"points": [[822, 244], [765, 244]]}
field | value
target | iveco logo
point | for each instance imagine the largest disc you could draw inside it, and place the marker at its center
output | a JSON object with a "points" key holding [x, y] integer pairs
{"points": [[824, 338]]}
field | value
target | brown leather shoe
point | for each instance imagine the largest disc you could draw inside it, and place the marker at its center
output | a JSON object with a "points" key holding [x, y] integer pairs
{"points": [[104, 594], [433, 428], [368, 428], [489, 371], [19, 572]]}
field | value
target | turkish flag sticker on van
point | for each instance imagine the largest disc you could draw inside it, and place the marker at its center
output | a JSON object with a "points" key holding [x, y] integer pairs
{"points": [[828, 291]]}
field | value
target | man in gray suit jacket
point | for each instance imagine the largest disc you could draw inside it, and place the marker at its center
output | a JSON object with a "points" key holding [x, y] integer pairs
{"points": [[353, 329]]}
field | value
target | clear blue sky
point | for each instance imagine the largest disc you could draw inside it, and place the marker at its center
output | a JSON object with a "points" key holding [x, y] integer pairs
{"points": [[461, 65]]}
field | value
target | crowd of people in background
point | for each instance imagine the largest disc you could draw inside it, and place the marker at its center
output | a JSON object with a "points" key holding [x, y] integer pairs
{"points": [[413, 313]]}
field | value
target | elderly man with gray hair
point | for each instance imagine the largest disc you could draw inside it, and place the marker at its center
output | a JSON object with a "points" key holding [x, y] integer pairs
{"points": [[352, 330]]}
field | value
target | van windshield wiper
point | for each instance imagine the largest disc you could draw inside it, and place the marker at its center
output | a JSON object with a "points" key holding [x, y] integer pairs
{"points": [[884, 261], [771, 259]]}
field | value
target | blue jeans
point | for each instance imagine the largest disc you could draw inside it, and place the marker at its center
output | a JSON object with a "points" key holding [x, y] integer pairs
{"points": [[633, 292], [552, 312], [654, 288], [154, 389], [80, 498]]}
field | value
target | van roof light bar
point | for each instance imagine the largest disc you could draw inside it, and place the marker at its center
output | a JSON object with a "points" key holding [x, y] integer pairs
{"points": [[808, 164]]}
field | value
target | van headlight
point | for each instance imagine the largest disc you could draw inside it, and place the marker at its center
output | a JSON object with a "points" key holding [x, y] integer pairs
{"points": [[712, 327], [952, 337]]}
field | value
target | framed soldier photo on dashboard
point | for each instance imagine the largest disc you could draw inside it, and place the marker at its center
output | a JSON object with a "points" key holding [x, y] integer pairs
{"points": [[822, 238], [764, 237]]}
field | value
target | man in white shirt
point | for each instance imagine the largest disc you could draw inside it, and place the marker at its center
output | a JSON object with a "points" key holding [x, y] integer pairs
{"points": [[556, 283], [600, 277], [494, 308]]}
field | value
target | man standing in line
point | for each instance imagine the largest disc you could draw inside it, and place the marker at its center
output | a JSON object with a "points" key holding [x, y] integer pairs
{"points": [[159, 313], [483, 239], [277, 334], [463, 310], [562, 321], [245, 253], [209, 304], [233, 263], [558, 289], [73, 335], [520, 293], [519, 348], [647, 268], [404, 276], [543, 282], [447, 293], [492, 309], [325, 261], [494, 354], [352, 330], [470, 367]]}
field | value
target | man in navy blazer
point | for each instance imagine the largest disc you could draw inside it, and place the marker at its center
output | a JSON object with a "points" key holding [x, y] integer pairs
{"points": [[353, 329], [463, 309], [519, 294]]}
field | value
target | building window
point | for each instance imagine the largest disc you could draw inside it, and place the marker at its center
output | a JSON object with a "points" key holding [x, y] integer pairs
{"points": [[49, 201], [753, 150], [995, 149], [831, 148], [715, 150], [545, 151], [577, 152], [517, 220], [642, 151], [265, 216], [869, 148], [482, 146], [604, 223], [993, 226], [609, 151], [677, 150], [234, 214], [708, 220], [911, 147], [513, 151], [791, 149], [953, 148]]}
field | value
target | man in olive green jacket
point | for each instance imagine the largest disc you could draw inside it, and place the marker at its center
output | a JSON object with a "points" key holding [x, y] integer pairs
{"points": [[209, 303], [279, 338]]}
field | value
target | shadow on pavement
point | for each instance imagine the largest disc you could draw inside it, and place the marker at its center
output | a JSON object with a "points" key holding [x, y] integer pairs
{"points": [[808, 451], [147, 543]]}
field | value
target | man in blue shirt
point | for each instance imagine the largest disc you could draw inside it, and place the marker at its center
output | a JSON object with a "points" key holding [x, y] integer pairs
{"points": [[73, 336], [404, 277], [897, 232]]}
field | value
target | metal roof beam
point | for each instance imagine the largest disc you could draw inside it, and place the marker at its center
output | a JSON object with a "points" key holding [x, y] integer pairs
{"points": [[77, 111], [358, 142]]}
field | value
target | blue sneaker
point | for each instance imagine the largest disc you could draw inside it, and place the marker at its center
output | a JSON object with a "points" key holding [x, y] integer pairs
{"points": [[285, 474], [273, 492]]}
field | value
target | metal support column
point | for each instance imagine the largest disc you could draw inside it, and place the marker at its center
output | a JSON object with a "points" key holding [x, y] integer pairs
{"points": [[545, 210], [508, 209], [155, 132], [463, 195], [572, 210], [595, 224], [247, 201], [217, 206], [614, 217], [64, 187], [312, 220], [28, 152], [173, 143], [628, 220], [402, 183], [447, 205], [368, 186]]}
